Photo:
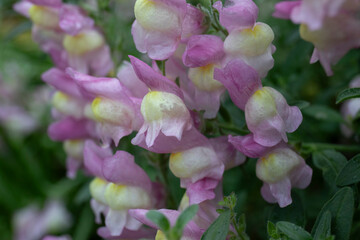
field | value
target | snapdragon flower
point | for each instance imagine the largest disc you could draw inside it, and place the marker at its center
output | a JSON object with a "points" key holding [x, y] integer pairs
{"points": [[332, 26], [119, 185], [163, 109], [72, 125], [248, 40], [280, 170], [161, 25], [268, 116], [202, 54], [115, 112]]}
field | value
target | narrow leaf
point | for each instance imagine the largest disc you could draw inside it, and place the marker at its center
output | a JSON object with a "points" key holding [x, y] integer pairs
{"points": [[185, 217], [293, 231], [323, 229], [350, 173], [347, 94], [323, 113], [331, 163], [341, 207], [159, 219], [219, 229]]}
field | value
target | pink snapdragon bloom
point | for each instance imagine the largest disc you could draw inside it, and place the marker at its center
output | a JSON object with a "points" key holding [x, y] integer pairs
{"points": [[191, 229], [119, 185], [350, 109], [280, 170], [332, 26], [73, 125], [279, 167], [161, 25], [253, 46], [202, 54], [32, 223], [162, 107], [199, 169], [248, 40], [268, 116], [113, 109], [68, 35], [17, 120], [45, 31], [85, 46], [237, 14]]}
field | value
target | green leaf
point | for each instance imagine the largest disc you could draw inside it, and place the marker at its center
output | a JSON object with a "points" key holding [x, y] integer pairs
{"points": [[293, 231], [85, 224], [159, 219], [341, 207], [184, 218], [219, 229], [347, 94], [323, 229], [331, 163], [350, 173], [323, 113], [271, 229]]}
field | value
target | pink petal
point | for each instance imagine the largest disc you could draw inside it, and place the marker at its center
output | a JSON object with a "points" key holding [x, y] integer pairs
{"points": [[202, 50], [202, 190], [284, 9], [23, 7], [72, 165], [122, 169], [94, 156], [62, 82], [127, 76], [158, 45], [237, 14], [193, 22], [226, 152], [48, 3], [127, 234], [164, 144], [69, 128], [154, 80], [73, 19], [97, 86], [240, 80], [248, 146]]}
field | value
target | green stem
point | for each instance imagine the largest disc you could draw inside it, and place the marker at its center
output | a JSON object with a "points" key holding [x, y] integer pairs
{"points": [[233, 129], [311, 147], [163, 67], [164, 174]]}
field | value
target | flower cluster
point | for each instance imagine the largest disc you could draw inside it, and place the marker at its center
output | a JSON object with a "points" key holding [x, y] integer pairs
{"points": [[167, 106]]}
